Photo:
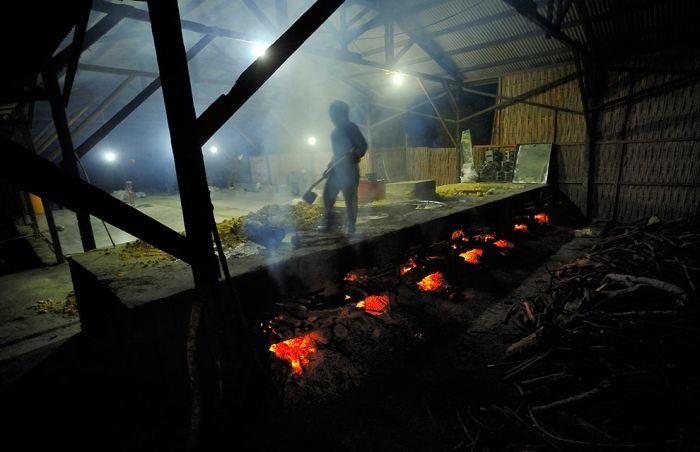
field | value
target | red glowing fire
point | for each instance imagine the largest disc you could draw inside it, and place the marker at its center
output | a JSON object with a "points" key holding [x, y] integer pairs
{"points": [[520, 227], [375, 304], [408, 266], [484, 237], [296, 350], [472, 256], [503, 244], [457, 234], [432, 282], [542, 218]]}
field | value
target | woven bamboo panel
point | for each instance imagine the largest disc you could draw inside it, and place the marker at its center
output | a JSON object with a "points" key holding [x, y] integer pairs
{"points": [[665, 202], [444, 165], [389, 163], [573, 192], [666, 115], [258, 170], [607, 163], [568, 161], [418, 163], [522, 123], [671, 163], [604, 194]]}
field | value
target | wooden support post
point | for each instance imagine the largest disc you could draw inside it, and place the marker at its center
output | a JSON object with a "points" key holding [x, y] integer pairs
{"points": [[622, 135], [58, 112], [48, 213], [53, 232], [203, 345]]}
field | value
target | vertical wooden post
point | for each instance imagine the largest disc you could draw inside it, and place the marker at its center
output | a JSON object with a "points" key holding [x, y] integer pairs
{"points": [[197, 210], [70, 162]]}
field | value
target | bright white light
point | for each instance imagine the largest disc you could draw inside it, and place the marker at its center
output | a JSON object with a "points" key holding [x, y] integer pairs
{"points": [[260, 49], [213, 149], [398, 78], [311, 141], [110, 156]]}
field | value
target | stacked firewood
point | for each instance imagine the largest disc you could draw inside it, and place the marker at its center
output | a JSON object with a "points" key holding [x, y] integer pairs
{"points": [[610, 358]]}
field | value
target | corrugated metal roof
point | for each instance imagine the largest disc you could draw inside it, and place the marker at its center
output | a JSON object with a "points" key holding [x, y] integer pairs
{"points": [[480, 38]]}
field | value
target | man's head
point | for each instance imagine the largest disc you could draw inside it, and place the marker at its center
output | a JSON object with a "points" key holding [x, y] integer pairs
{"points": [[339, 112]]}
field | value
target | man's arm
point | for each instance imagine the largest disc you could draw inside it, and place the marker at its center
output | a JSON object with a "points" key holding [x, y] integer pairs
{"points": [[359, 144]]}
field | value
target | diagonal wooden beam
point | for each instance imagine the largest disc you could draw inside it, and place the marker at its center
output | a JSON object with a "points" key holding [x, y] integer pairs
{"points": [[528, 9], [134, 103], [524, 96], [221, 110], [437, 112], [37, 175]]}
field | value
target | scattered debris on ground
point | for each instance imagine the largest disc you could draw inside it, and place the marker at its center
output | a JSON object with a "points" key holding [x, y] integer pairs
{"points": [[607, 356], [67, 307]]}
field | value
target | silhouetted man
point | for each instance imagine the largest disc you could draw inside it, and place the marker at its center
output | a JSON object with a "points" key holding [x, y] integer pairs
{"points": [[349, 146]]}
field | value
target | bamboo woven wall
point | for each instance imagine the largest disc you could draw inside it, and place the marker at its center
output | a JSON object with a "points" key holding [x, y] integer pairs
{"points": [[523, 123], [401, 164], [653, 165], [646, 160]]}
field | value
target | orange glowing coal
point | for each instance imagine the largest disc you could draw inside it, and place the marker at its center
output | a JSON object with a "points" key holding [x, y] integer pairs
{"points": [[503, 244], [542, 218], [408, 266], [472, 256], [296, 351], [520, 227], [351, 277], [432, 282], [484, 237], [375, 304], [457, 234]]}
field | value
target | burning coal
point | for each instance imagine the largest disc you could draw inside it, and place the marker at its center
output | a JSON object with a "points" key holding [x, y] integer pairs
{"points": [[472, 256], [542, 218], [408, 266], [433, 282], [458, 234], [484, 237], [503, 244], [520, 227], [375, 304], [296, 351]]}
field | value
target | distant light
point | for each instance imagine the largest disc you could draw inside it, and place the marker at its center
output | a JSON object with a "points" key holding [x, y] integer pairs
{"points": [[260, 49], [213, 149], [311, 141], [110, 156], [398, 78]]}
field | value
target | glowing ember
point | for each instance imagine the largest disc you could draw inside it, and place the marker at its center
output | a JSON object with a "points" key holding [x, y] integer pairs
{"points": [[503, 244], [472, 256], [374, 304], [457, 234], [542, 218], [408, 266], [484, 237], [520, 227], [432, 282], [351, 277], [296, 351]]}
